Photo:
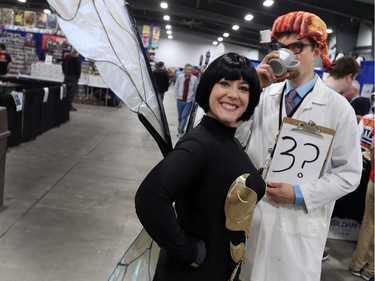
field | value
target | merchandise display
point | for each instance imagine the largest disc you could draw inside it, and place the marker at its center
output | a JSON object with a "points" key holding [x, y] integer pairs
{"points": [[21, 54]]}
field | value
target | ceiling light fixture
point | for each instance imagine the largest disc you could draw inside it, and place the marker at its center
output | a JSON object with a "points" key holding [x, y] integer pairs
{"points": [[170, 36], [164, 5], [268, 3], [249, 17], [329, 30], [46, 11], [220, 39], [169, 31], [166, 17], [22, 1], [168, 26], [235, 27], [215, 43], [226, 34]]}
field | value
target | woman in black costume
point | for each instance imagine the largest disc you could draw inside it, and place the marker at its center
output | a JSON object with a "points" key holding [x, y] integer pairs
{"points": [[211, 181]]}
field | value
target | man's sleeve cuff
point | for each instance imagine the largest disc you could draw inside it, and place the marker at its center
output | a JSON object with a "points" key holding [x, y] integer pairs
{"points": [[299, 197]]}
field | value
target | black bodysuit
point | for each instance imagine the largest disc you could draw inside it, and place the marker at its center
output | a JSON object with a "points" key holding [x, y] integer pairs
{"points": [[196, 175]]}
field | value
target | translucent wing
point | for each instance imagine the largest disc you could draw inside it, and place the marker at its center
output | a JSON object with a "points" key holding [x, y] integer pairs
{"points": [[104, 31], [139, 261]]}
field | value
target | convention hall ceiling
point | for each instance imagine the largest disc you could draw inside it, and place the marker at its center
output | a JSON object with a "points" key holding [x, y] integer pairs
{"points": [[212, 18]]}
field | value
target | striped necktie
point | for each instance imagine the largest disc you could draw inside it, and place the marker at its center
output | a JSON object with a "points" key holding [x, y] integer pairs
{"points": [[289, 104]]}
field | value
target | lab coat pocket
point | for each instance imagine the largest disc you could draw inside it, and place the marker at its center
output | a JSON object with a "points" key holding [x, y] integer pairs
{"points": [[295, 221]]}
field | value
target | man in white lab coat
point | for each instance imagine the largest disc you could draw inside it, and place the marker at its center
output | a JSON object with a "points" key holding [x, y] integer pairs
{"points": [[291, 223]]}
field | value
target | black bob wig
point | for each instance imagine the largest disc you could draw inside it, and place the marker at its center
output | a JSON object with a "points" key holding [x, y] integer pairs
{"points": [[230, 66]]}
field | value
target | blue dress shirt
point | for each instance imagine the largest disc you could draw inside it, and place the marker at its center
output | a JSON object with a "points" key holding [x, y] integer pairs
{"points": [[302, 91]]}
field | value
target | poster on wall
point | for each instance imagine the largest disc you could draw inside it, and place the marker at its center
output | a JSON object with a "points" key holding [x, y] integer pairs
{"points": [[7, 16], [52, 22], [29, 40], [146, 36], [155, 37], [41, 20], [19, 18], [367, 89], [29, 19]]}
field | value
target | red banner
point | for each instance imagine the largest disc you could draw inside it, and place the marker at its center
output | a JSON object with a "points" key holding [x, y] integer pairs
{"points": [[51, 41]]}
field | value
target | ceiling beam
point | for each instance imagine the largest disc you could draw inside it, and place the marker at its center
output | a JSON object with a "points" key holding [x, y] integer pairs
{"points": [[371, 2], [330, 10], [187, 12], [246, 8]]}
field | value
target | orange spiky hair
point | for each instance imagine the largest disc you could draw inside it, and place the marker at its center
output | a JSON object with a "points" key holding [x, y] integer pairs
{"points": [[306, 25]]}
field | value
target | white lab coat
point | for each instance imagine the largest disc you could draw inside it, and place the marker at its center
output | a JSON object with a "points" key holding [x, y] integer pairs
{"points": [[286, 242]]}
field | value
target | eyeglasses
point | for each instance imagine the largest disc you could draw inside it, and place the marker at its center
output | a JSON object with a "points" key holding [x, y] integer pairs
{"points": [[296, 48]]}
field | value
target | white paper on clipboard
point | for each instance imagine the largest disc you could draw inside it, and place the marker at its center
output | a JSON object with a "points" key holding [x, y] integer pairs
{"points": [[300, 153]]}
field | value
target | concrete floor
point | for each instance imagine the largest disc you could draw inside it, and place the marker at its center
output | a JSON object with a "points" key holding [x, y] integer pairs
{"points": [[68, 211]]}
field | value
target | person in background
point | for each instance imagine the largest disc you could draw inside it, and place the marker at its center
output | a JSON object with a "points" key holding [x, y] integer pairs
{"points": [[161, 78], [290, 224], [358, 196], [185, 95], [361, 105], [366, 125], [71, 67], [179, 72], [210, 180], [342, 74], [5, 60], [172, 75], [116, 101], [341, 77], [197, 73], [362, 263]]}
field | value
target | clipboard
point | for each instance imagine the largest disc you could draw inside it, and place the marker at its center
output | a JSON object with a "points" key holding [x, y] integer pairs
{"points": [[300, 152]]}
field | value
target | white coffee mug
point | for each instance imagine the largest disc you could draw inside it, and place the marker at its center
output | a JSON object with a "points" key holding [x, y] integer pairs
{"points": [[286, 61]]}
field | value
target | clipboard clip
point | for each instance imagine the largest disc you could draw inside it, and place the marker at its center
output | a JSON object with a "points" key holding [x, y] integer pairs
{"points": [[308, 127]]}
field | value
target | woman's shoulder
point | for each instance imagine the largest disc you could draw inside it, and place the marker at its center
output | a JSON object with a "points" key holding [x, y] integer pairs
{"points": [[198, 136]]}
